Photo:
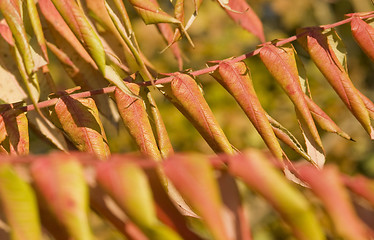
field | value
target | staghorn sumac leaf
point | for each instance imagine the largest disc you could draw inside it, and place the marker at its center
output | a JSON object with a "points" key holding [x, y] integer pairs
{"points": [[361, 185], [368, 103], [19, 205], [328, 187], [287, 137], [127, 184], [236, 79], [323, 120], [79, 118], [317, 44], [259, 175], [59, 179], [167, 33], [14, 135], [363, 33], [81, 27], [194, 178], [151, 13], [281, 63], [243, 14], [185, 94], [135, 117], [155, 119]]}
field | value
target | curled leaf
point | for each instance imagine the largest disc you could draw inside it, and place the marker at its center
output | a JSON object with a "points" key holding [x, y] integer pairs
{"points": [[236, 79], [363, 33], [321, 51], [135, 117], [151, 13], [185, 94], [79, 118]]}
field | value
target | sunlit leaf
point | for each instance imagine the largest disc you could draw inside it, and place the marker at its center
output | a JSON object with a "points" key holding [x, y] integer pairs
{"points": [[194, 179], [151, 13], [236, 79], [185, 94], [16, 129], [363, 33], [19, 205], [80, 120], [60, 181], [317, 45], [135, 117], [281, 63], [258, 174], [243, 14]]}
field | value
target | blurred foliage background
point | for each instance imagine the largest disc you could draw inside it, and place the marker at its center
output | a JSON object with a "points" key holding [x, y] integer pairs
{"points": [[217, 37]]}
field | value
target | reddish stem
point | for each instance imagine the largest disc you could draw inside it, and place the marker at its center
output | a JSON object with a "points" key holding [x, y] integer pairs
{"points": [[168, 79]]}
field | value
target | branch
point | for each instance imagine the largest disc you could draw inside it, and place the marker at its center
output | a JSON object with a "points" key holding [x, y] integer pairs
{"points": [[51, 102]]}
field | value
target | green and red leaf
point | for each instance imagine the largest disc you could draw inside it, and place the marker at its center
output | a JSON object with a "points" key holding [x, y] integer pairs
{"points": [[60, 181], [79, 118], [19, 205], [194, 178], [363, 33], [185, 94], [317, 44], [236, 79]]}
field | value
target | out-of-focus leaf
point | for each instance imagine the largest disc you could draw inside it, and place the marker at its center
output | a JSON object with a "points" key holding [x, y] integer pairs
{"points": [[60, 181], [185, 94], [167, 33], [151, 13], [286, 136], [281, 63], [258, 174], [317, 44], [19, 205], [243, 14], [363, 33], [127, 184], [323, 120], [16, 130], [194, 178], [362, 186], [169, 211], [135, 117], [235, 217], [236, 79], [80, 120], [327, 185]]}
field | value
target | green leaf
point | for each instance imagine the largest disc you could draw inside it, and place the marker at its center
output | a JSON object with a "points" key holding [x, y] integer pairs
{"points": [[185, 94], [19, 205], [80, 120], [60, 181]]}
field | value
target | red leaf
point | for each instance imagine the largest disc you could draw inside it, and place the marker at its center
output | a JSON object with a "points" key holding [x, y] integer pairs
{"points": [[135, 118], [242, 14], [363, 33], [316, 43], [185, 94], [235, 78]]}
